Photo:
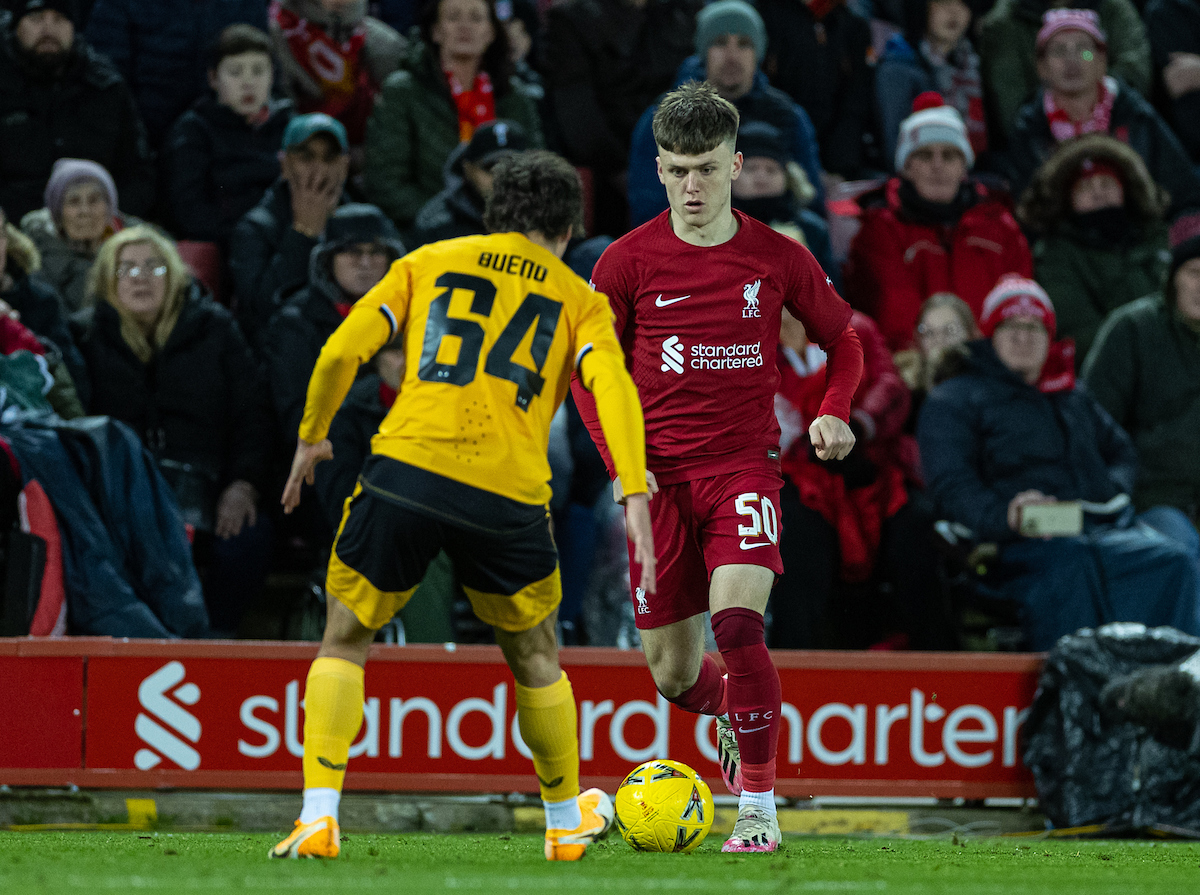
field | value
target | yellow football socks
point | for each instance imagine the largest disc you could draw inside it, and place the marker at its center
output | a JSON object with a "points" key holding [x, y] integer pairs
{"points": [[549, 728], [333, 713]]}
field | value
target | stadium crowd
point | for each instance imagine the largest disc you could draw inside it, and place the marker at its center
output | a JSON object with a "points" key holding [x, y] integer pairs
{"points": [[193, 194]]}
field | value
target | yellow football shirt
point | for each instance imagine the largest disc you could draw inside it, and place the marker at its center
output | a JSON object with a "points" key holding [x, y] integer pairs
{"points": [[493, 327]]}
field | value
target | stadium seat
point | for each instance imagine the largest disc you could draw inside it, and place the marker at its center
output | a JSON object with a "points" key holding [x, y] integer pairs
{"points": [[204, 259]]}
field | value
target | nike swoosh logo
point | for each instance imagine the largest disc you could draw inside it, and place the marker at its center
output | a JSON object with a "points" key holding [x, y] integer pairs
{"points": [[549, 784], [752, 729], [670, 301], [325, 762], [746, 546]]}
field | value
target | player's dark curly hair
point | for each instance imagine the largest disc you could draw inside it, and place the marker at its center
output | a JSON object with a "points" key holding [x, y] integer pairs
{"points": [[535, 190], [695, 119]]}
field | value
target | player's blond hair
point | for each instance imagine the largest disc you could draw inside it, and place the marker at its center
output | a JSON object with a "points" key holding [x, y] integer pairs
{"points": [[695, 119]]}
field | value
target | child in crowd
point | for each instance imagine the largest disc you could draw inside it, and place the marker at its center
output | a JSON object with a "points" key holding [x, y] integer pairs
{"points": [[222, 154]]}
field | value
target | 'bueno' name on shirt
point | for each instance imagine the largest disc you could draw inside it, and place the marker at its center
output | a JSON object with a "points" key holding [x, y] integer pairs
{"points": [[514, 264]]}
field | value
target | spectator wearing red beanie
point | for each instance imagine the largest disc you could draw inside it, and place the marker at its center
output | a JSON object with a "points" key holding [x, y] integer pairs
{"points": [[1006, 431]]}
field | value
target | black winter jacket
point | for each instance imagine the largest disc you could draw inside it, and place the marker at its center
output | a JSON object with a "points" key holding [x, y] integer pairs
{"points": [[824, 66], [985, 436], [269, 259], [200, 401], [218, 167], [296, 335], [87, 111], [350, 433]]}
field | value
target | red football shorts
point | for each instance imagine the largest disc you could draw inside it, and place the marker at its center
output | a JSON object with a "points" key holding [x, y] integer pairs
{"points": [[699, 525]]}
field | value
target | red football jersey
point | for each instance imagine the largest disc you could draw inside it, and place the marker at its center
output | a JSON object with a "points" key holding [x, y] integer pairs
{"points": [[700, 327]]}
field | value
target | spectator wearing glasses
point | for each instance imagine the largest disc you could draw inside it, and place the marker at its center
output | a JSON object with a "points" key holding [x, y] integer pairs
{"points": [[169, 362], [1079, 97]]}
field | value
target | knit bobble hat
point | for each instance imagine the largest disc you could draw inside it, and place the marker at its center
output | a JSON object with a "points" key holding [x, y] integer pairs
{"points": [[69, 171], [932, 122], [1056, 20], [730, 17], [1016, 296]]}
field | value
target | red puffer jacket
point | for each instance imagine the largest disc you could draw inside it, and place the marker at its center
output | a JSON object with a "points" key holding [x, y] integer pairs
{"points": [[895, 262]]}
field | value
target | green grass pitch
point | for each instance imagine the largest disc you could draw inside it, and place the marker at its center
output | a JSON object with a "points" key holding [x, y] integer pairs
{"points": [[89, 863]]}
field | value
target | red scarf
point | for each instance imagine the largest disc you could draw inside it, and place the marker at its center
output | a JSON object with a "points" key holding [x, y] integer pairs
{"points": [[347, 89], [1058, 372], [475, 106], [1063, 128], [387, 394]]}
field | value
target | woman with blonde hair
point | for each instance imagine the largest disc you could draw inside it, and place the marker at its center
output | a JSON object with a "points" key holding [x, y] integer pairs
{"points": [[172, 364]]}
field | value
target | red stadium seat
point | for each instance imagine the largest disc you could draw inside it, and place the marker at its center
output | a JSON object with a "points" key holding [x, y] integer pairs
{"points": [[204, 259]]}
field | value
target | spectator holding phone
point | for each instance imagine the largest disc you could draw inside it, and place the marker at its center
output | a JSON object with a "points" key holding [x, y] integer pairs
{"points": [[1005, 430]]}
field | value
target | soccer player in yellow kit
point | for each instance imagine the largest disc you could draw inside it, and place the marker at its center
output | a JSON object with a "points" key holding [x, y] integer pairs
{"points": [[492, 327]]}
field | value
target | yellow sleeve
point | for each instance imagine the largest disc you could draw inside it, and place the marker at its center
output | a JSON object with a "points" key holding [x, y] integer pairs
{"points": [[602, 371], [371, 324]]}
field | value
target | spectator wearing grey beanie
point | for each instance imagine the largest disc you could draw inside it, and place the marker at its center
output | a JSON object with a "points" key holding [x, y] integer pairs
{"points": [[81, 211]]}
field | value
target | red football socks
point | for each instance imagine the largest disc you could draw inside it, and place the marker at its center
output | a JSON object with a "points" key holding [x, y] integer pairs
{"points": [[753, 693], [707, 695]]}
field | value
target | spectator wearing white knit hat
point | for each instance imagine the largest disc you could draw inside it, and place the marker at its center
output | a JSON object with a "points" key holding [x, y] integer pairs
{"points": [[931, 229]]}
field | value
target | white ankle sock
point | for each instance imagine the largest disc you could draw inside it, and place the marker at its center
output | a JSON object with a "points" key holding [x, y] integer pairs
{"points": [[763, 800], [320, 802], [564, 815]]}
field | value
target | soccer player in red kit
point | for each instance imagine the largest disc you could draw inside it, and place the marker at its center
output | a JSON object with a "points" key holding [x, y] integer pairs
{"points": [[697, 295]]}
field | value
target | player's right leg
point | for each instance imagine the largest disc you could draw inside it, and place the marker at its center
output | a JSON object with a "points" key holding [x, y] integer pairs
{"points": [[511, 577], [547, 717], [380, 555]]}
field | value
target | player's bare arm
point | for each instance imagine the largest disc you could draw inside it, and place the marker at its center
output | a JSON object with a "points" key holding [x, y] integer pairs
{"points": [[304, 464], [637, 525]]}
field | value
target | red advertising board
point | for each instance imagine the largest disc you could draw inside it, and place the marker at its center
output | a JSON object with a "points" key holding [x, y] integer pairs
{"points": [[231, 715], [41, 712]]}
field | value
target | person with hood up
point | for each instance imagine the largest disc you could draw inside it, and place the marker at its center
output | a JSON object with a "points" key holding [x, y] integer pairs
{"points": [[774, 189], [1144, 368], [359, 246], [1101, 240], [1007, 439]]}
